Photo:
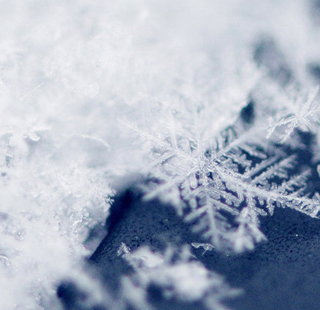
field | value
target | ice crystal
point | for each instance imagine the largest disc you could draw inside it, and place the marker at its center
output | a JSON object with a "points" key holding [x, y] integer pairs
{"points": [[302, 114], [237, 174]]}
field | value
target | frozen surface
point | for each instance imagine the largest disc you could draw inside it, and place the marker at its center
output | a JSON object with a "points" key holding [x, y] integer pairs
{"points": [[94, 90]]}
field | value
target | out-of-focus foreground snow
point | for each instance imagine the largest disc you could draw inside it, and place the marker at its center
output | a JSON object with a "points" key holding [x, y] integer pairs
{"points": [[73, 73]]}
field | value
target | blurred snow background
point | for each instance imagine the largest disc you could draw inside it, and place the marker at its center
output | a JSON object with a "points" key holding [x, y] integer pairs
{"points": [[72, 71]]}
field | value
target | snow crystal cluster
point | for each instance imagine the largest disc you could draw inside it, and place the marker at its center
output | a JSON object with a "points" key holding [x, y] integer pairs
{"points": [[214, 102], [185, 279]]}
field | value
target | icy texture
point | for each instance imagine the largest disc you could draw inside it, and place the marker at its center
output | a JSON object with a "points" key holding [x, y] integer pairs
{"points": [[182, 278], [75, 74]]}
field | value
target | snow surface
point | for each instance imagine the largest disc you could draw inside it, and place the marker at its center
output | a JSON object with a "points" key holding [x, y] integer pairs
{"points": [[74, 74]]}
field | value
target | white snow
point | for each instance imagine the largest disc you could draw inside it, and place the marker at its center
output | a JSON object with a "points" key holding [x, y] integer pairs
{"points": [[72, 73]]}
